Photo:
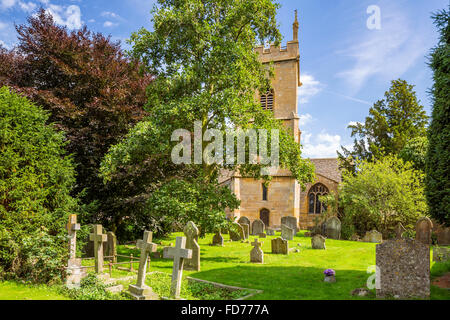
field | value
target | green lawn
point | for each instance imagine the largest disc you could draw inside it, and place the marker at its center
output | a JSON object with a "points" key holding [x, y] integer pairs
{"points": [[293, 277]]}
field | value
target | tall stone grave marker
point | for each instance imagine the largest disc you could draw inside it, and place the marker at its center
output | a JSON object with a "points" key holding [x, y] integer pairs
{"points": [[287, 233], [256, 255], [74, 272], [291, 222], [191, 232], [404, 267], [111, 246], [423, 230], [333, 228], [280, 245], [98, 238], [318, 242], [179, 253], [140, 291], [217, 239], [246, 229], [257, 227]]}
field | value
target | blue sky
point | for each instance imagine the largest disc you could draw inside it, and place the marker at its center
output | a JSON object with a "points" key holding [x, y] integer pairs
{"points": [[345, 66]]}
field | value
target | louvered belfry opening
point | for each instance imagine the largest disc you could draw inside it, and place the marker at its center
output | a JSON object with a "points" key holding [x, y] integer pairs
{"points": [[267, 100]]}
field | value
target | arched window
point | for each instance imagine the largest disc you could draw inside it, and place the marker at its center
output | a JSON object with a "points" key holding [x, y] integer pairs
{"points": [[267, 100], [314, 204]]}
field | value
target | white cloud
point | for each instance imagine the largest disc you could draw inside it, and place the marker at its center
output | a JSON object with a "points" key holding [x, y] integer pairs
{"points": [[310, 87], [70, 17], [323, 145], [6, 4], [109, 24], [388, 52], [353, 123], [305, 119], [27, 6], [110, 14], [3, 25]]}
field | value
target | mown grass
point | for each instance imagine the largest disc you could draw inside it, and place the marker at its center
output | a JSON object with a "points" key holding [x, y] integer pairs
{"points": [[12, 290]]}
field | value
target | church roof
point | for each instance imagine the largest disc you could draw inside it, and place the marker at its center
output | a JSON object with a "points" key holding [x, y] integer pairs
{"points": [[328, 168]]}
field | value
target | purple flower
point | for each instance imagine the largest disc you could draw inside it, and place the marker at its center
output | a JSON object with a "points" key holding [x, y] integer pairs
{"points": [[329, 272]]}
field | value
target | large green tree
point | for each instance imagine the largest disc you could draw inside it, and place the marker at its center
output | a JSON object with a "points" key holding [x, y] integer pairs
{"points": [[202, 55], [438, 155], [391, 123]]}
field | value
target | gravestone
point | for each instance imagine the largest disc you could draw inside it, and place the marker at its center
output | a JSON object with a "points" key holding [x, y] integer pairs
{"points": [[191, 233], [291, 222], [423, 230], [244, 220], [441, 254], [443, 236], [178, 253], [256, 255], [318, 242], [404, 269], [262, 235], [373, 236], [279, 245], [236, 232], [140, 291], [217, 239], [399, 230], [88, 249], [246, 228], [257, 227], [287, 233], [111, 246], [98, 238], [333, 228], [74, 272], [270, 232]]}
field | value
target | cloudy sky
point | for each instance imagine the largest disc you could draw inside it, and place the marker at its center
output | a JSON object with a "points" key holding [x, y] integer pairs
{"points": [[346, 63]]}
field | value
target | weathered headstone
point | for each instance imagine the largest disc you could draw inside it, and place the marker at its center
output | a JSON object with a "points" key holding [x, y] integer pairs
{"points": [[98, 238], [399, 230], [270, 232], [140, 291], [179, 253], [262, 235], [404, 269], [244, 220], [373, 236], [441, 254], [257, 227], [111, 246], [74, 272], [217, 239], [246, 229], [443, 236], [256, 255], [236, 232], [318, 242], [423, 230], [291, 222], [191, 232], [280, 245], [287, 233], [333, 228]]}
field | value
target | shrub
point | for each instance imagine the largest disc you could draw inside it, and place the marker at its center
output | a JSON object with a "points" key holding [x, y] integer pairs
{"points": [[35, 180]]}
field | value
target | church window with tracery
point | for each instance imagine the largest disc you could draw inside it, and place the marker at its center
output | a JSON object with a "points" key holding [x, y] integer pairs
{"points": [[314, 204], [267, 100]]}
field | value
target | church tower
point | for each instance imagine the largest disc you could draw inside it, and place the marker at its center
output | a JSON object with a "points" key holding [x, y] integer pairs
{"points": [[282, 97]]}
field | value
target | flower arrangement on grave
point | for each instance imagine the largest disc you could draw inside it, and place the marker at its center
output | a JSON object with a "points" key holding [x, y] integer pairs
{"points": [[329, 273]]}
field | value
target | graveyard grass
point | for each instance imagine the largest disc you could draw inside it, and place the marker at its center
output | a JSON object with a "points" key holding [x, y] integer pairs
{"points": [[296, 276]]}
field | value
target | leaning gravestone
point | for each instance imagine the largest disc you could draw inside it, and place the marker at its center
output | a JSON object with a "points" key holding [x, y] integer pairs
{"points": [[270, 232], [236, 232], [280, 246], [318, 242], [287, 233], [443, 236], [140, 291], [441, 254], [404, 269], [257, 227], [191, 233], [98, 238], [110, 246], [244, 220], [246, 229], [373, 236], [423, 230], [178, 254], [217, 239], [333, 228], [256, 255], [291, 222]]}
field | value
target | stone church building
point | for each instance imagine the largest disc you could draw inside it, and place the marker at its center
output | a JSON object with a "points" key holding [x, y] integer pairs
{"points": [[283, 196]]}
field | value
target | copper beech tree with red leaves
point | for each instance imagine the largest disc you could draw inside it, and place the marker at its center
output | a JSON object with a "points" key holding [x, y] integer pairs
{"points": [[93, 91]]}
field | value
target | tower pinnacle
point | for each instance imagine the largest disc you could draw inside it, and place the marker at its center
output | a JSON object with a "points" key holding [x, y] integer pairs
{"points": [[295, 27]]}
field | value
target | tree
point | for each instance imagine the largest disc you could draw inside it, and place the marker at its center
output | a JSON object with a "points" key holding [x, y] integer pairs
{"points": [[36, 177], [384, 192], [391, 123], [438, 155], [415, 151], [92, 90], [202, 55]]}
